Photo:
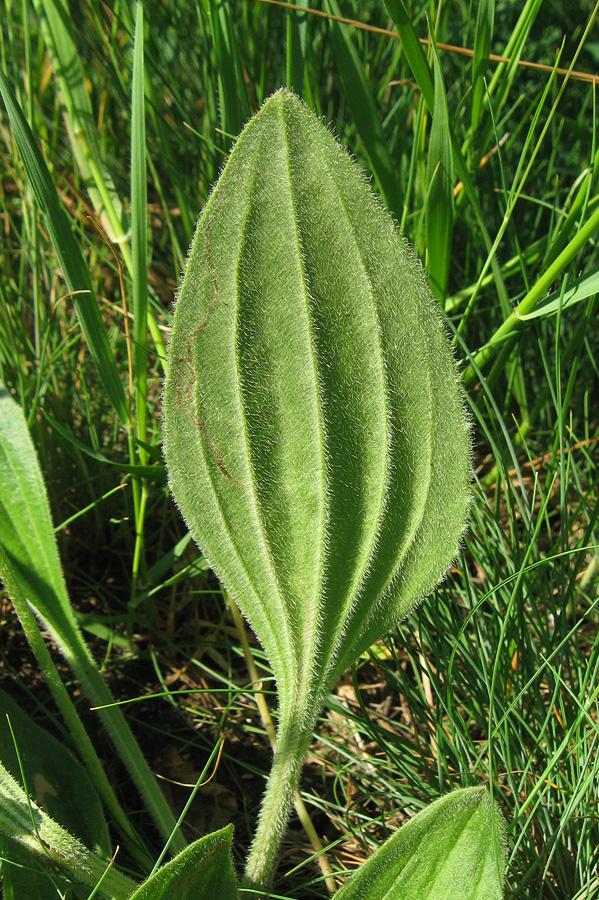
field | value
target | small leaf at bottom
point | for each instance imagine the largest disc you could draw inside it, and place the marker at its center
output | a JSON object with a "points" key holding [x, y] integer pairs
{"points": [[452, 850], [203, 871]]}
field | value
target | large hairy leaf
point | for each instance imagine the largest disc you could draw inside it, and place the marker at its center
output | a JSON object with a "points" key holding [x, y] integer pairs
{"points": [[314, 430]]}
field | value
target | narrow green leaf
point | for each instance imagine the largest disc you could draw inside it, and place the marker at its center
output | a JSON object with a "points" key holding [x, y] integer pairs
{"points": [[152, 473], [68, 252], [57, 29], [314, 429], [581, 289], [501, 81], [232, 89], [413, 49], [452, 850], [139, 230], [503, 338], [60, 41], [297, 25], [424, 79], [204, 871], [581, 203], [359, 98], [482, 47], [504, 73], [31, 570], [439, 176]]}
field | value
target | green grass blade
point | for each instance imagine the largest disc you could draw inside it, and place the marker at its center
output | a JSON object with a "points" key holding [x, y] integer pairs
{"points": [[57, 28], [482, 47], [358, 95], [503, 337], [413, 50], [235, 106], [296, 49], [581, 289], [62, 47], [139, 232], [424, 78], [504, 74], [68, 252], [500, 83], [156, 473], [580, 202], [439, 208]]}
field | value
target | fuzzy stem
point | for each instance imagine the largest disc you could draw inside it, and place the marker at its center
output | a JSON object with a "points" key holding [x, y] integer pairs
{"points": [[293, 740], [300, 807]]}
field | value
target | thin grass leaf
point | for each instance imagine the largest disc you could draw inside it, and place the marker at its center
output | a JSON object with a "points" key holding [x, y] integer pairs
{"points": [[424, 78], [68, 253], [503, 339], [60, 40], [582, 289], [57, 29], [139, 232], [232, 90], [297, 25], [439, 207], [359, 98], [413, 50], [483, 35], [503, 77], [583, 201], [155, 473]]}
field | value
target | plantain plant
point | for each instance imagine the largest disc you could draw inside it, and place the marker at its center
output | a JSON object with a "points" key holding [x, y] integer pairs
{"points": [[314, 430], [318, 447]]}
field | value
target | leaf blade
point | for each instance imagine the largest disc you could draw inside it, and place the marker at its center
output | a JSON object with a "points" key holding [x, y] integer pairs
{"points": [[453, 850], [30, 567], [359, 98], [67, 251], [203, 871], [439, 209], [309, 392]]}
